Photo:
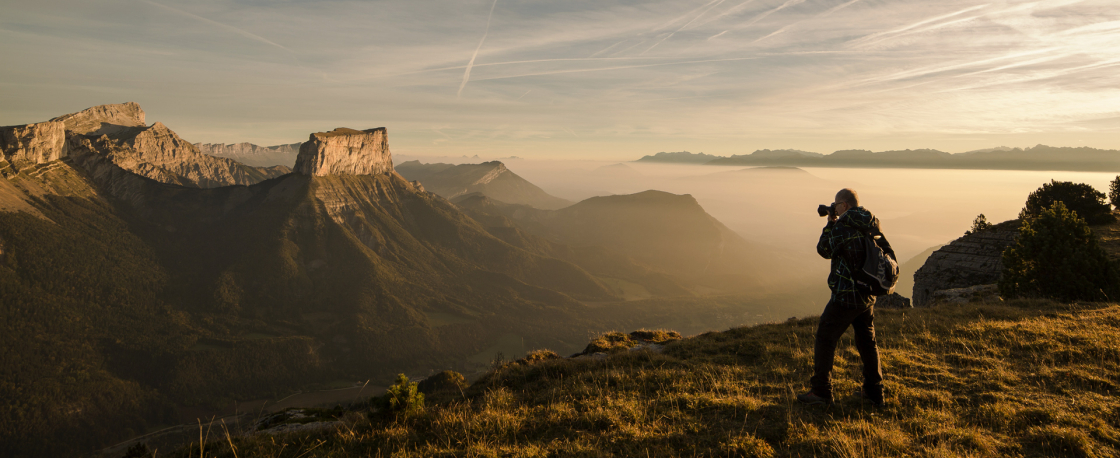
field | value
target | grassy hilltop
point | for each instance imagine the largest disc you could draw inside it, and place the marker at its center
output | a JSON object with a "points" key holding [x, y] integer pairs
{"points": [[1023, 378]]}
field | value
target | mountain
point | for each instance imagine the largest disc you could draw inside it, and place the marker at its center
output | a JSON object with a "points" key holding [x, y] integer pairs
{"points": [[669, 233], [625, 276], [152, 151], [250, 154], [134, 298], [680, 157], [1040, 157], [491, 179]]}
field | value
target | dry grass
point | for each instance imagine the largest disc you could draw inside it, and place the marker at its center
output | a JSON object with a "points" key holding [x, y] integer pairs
{"points": [[1020, 379]]}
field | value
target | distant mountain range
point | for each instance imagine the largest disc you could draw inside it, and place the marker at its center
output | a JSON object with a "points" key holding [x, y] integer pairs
{"points": [[681, 157], [248, 153], [1040, 157], [492, 179]]}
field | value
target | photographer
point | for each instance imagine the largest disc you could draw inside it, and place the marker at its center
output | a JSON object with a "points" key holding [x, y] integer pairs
{"points": [[841, 241]]}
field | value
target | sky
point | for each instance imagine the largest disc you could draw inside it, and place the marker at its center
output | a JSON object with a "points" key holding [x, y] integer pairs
{"points": [[581, 79]]}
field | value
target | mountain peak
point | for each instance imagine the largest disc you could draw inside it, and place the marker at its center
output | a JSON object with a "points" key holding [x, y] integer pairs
{"points": [[104, 119], [345, 151]]}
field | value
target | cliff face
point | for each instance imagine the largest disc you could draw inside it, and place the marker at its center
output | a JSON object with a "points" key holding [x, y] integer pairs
{"points": [[33, 144], [104, 119], [250, 154], [975, 259], [345, 152], [118, 133]]}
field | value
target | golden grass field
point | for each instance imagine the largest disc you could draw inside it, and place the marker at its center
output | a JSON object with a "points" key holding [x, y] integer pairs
{"points": [[1023, 378]]}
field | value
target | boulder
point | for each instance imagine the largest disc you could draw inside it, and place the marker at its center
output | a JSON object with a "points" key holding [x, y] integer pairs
{"points": [[345, 152]]}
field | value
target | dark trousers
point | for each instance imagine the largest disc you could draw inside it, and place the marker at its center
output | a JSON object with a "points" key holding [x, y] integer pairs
{"points": [[834, 321]]}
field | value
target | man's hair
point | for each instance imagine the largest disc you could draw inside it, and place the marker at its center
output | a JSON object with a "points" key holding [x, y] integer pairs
{"points": [[849, 196]]}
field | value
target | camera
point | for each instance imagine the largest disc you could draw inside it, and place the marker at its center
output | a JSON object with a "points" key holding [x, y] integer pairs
{"points": [[827, 210]]}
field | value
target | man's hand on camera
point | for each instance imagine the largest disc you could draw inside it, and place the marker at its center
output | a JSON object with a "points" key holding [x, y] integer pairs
{"points": [[832, 218]]}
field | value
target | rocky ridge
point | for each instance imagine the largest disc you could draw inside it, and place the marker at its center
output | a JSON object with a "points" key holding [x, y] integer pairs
{"points": [[345, 151], [250, 154], [104, 119], [118, 132]]}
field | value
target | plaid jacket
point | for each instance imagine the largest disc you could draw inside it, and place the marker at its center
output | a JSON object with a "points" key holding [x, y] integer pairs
{"points": [[841, 242]]}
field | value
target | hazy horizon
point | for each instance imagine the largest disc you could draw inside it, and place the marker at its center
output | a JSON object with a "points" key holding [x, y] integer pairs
{"points": [[586, 80]]}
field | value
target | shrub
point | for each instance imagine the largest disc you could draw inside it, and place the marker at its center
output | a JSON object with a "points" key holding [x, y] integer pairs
{"points": [[1056, 256], [403, 397], [1114, 192], [443, 381], [979, 224], [1077, 197]]}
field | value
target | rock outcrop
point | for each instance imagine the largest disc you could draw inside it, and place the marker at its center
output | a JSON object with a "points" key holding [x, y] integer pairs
{"points": [[250, 154], [345, 151], [104, 119], [975, 259], [33, 144]]}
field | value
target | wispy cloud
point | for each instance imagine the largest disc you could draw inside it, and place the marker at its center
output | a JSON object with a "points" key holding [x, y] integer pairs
{"points": [[728, 74], [467, 72]]}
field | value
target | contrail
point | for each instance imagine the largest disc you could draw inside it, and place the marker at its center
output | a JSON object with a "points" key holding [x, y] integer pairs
{"points": [[244, 33], [710, 5], [761, 16], [467, 74], [870, 37], [231, 28], [728, 11], [826, 13]]}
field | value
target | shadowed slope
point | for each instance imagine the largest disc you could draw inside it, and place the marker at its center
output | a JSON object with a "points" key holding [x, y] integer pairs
{"points": [[491, 179]]}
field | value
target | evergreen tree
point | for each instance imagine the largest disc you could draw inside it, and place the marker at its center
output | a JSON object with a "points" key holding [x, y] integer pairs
{"points": [[1114, 192], [1081, 198], [1056, 256], [979, 224]]}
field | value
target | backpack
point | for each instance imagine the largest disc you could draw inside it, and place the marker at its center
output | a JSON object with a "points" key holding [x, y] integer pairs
{"points": [[878, 274]]}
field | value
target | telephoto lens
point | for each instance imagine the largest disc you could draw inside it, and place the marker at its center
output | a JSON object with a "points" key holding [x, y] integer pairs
{"points": [[826, 210]]}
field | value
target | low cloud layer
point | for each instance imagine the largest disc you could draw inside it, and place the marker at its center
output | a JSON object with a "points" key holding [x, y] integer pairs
{"points": [[582, 79]]}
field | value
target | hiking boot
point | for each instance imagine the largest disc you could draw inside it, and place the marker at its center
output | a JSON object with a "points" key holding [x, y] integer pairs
{"points": [[865, 397], [812, 398]]}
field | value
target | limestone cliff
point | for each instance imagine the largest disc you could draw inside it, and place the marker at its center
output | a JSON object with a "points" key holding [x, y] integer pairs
{"points": [[104, 119], [117, 131], [161, 147], [974, 259], [250, 154], [345, 152], [22, 146]]}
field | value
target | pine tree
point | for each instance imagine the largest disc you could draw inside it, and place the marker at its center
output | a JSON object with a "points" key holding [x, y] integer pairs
{"points": [[979, 224], [1056, 256], [1114, 192], [1080, 198]]}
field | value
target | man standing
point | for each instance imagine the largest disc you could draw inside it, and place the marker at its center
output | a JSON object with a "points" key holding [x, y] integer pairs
{"points": [[842, 242]]}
